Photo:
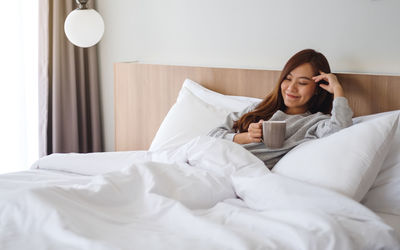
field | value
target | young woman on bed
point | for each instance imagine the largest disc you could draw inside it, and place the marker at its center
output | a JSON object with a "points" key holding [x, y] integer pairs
{"points": [[301, 99]]}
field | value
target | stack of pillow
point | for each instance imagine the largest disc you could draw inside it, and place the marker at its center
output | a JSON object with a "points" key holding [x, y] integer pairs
{"points": [[362, 161]]}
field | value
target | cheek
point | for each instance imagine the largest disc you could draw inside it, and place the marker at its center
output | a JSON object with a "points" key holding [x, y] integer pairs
{"points": [[308, 91], [283, 86], [283, 89]]}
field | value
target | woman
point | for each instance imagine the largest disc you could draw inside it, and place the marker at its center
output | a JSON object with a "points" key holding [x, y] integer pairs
{"points": [[304, 97]]}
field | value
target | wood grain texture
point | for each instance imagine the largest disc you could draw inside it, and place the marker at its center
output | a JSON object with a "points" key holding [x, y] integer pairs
{"points": [[143, 94]]}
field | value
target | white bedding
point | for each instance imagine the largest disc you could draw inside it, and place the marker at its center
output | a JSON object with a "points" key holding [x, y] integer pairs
{"points": [[208, 194]]}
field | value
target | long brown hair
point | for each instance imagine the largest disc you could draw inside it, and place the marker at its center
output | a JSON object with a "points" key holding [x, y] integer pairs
{"points": [[321, 102]]}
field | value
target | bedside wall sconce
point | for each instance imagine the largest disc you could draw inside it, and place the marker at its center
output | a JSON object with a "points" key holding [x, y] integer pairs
{"points": [[84, 27]]}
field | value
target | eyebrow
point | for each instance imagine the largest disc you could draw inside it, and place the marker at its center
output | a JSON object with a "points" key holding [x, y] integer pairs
{"points": [[302, 77]]}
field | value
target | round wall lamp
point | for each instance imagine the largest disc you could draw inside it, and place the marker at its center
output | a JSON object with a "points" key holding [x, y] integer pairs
{"points": [[84, 27]]}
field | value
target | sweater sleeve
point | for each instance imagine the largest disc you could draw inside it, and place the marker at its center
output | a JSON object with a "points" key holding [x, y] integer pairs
{"points": [[341, 118], [225, 130]]}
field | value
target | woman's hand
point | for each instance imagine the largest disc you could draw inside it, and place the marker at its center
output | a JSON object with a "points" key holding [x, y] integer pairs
{"points": [[254, 134], [334, 87]]}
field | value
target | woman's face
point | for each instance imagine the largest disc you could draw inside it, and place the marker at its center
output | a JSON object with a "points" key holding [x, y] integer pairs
{"points": [[298, 88]]}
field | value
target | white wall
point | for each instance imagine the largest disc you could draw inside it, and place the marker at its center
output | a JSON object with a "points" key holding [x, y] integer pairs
{"points": [[360, 36]]}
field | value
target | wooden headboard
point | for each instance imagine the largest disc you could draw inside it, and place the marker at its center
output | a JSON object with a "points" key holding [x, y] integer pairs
{"points": [[143, 94]]}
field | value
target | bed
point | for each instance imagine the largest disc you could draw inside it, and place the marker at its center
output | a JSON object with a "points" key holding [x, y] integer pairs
{"points": [[168, 186]]}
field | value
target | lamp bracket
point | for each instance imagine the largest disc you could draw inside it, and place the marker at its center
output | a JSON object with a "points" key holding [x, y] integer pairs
{"points": [[82, 4]]}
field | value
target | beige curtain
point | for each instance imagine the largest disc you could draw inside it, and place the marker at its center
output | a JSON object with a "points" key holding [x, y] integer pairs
{"points": [[69, 113]]}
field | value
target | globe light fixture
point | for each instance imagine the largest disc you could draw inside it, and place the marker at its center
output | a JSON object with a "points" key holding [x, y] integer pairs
{"points": [[84, 27]]}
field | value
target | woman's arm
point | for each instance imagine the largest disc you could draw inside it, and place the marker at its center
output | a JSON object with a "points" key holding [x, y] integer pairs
{"points": [[341, 118], [341, 112], [225, 130], [254, 134], [334, 87]]}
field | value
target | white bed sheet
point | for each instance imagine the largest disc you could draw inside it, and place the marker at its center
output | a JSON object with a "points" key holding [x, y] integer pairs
{"points": [[178, 199], [392, 220], [40, 178]]}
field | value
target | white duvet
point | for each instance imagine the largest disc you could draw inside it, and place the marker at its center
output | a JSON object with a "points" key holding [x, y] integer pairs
{"points": [[208, 194]]}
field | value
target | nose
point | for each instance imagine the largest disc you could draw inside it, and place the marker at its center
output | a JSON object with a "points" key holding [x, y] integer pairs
{"points": [[292, 85]]}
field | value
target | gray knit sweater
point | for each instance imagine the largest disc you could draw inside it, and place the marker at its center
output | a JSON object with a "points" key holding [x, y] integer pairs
{"points": [[299, 128]]}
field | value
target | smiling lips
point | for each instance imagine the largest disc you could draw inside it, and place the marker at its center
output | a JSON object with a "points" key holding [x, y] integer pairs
{"points": [[292, 96]]}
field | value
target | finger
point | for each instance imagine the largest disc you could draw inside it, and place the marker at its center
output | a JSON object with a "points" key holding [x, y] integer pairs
{"points": [[260, 121], [256, 134], [326, 87], [323, 86], [317, 78], [255, 125], [322, 80], [255, 130], [320, 77], [256, 140]]}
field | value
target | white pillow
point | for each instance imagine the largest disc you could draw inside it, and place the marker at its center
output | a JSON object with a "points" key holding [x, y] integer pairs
{"points": [[188, 118], [384, 195], [196, 111], [347, 161], [232, 103]]}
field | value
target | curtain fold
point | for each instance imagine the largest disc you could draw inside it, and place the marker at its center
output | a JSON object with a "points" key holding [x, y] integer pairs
{"points": [[69, 103]]}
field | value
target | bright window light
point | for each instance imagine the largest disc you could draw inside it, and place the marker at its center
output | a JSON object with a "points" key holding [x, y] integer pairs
{"points": [[19, 85]]}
